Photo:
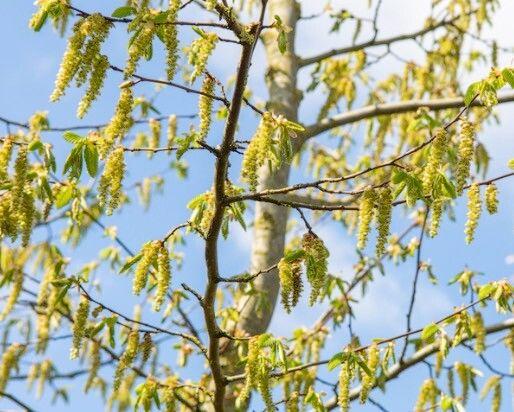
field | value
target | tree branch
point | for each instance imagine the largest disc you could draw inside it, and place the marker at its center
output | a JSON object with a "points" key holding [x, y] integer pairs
{"points": [[371, 111]]}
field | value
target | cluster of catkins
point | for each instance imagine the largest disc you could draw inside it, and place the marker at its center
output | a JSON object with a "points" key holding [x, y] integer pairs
{"points": [[257, 374], [314, 255], [110, 185], [475, 207], [258, 150], [83, 59], [199, 51], [155, 251], [17, 206], [375, 203]]}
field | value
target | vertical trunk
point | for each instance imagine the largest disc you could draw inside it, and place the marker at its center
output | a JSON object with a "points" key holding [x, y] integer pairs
{"points": [[270, 220]]}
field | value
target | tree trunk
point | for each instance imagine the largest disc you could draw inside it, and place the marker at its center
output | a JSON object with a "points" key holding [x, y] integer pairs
{"points": [[270, 220]]}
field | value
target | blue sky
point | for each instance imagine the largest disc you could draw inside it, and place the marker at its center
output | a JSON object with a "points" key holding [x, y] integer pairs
{"points": [[29, 63]]}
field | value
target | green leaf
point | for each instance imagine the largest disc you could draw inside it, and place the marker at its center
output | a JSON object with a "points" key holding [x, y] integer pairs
{"points": [[472, 91], [294, 255], [41, 21], [35, 145], [73, 138], [123, 11], [161, 17], [486, 290], [336, 360], [131, 262], [508, 76], [429, 331], [64, 196], [91, 157]]}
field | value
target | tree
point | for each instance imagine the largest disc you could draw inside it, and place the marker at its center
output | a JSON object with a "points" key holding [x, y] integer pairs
{"points": [[408, 153]]}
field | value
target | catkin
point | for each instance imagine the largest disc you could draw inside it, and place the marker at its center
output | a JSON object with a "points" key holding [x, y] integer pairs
{"points": [[474, 211], [427, 396], [463, 374], [163, 276], [491, 198], [365, 217], [21, 167], [110, 186], [290, 275], [155, 133], [258, 150], [171, 39], [94, 364], [146, 347], [17, 284], [199, 52], [98, 74], [369, 380], [121, 121], [205, 107], [138, 48], [435, 221], [126, 359], [79, 326], [8, 363], [435, 159], [384, 211], [465, 153], [70, 62], [316, 264], [149, 253], [5, 157], [251, 369], [172, 130], [345, 377], [478, 329], [27, 215]]}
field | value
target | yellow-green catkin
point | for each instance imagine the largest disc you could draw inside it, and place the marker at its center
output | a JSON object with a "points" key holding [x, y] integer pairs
{"points": [[478, 329], [199, 52], [139, 47], [163, 276], [465, 153], [149, 253], [126, 359], [369, 380], [251, 369], [171, 130], [474, 211], [44, 374], [97, 29], [8, 363], [5, 157], [205, 107], [70, 62], [146, 347], [98, 74], [435, 159], [290, 275], [316, 264], [122, 119], [463, 374], [437, 213], [94, 364], [258, 150], [171, 38], [27, 215], [345, 377], [263, 383], [427, 396], [491, 198], [155, 133], [21, 167], [17, 284], [110, 186], [79, 327], [384, 211], [210, 4], [494, 384], [366, 208]]}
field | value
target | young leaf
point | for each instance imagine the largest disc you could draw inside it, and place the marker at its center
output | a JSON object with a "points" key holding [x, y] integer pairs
{"points": [[123, 11]]}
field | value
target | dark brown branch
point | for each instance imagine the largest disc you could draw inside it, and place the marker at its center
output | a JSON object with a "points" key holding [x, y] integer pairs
{"points": [[16, 401]]}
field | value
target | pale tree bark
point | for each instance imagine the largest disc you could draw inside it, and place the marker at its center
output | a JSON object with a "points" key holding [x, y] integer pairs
{"points": [[270, 220]]}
